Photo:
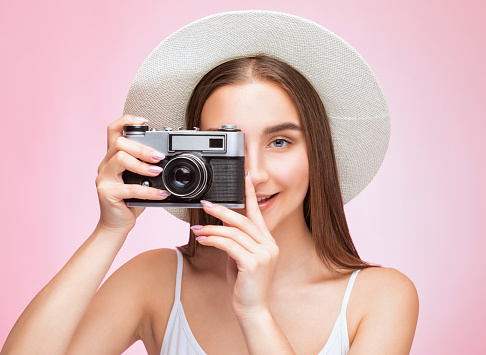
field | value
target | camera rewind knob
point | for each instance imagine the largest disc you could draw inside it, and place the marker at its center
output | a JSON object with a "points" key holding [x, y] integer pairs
{"points": [[229, 128]]}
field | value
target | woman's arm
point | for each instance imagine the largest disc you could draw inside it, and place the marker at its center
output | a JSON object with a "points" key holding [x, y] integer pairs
{"points": [[252, 258], [123, 309], [264, 335], [49, 322]]}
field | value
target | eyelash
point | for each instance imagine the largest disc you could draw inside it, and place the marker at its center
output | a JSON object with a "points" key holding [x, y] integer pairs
{"points": [[280, 139]]}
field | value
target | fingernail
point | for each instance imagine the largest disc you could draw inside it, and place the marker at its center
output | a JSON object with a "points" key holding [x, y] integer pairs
{"points": [[157, 155], [196, 227], [155, 169], [206, 203], [200, 238], [141, 119], [250, 176], [164, 193]]}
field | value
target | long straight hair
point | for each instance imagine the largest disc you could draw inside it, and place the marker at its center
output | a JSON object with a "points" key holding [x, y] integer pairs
{"points": [[323, 204]]}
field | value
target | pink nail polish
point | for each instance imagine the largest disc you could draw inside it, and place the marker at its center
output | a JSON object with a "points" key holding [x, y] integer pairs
{"points": [[196, 227], [206, 203], [202, 237], [157, 155], [155, 169], [164, 193], [250, 176], [141, 119]]}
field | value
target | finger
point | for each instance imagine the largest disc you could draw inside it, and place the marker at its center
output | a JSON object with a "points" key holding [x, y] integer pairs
{"points": [[232, 233], [122, 161], [114, 192], [241, 256], [253, 214], [133, 148], [236, 220], [115, 129], [251, 205]]}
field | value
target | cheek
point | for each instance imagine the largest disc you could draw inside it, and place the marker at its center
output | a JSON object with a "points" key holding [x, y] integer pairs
{"points": [[293, 172], [300, 174]]}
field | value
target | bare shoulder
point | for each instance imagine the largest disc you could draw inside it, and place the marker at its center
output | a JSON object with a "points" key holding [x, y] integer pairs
{"points": [[386, 306], [153, 273], [155, 263], [380, 291], [158, 266], [387, 286]]}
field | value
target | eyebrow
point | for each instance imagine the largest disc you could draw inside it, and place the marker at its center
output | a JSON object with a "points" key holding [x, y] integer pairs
{"points": [[281, 127], [273, 129]]}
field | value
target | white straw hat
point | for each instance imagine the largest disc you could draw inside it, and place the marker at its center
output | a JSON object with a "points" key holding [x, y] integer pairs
{"points": [[350, 92]]}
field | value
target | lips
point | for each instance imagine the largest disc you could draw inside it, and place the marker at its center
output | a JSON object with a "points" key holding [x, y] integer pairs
{"points": [[265, 201]]}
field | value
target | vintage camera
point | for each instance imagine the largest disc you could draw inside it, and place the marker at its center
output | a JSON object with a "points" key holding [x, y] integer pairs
{"points": [[198, 165]]}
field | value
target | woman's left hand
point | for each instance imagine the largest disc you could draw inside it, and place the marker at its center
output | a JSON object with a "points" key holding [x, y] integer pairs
{"points": [[251, 249]]}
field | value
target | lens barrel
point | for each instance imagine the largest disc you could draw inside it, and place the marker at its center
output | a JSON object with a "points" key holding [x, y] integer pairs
{"points": [[187, 175]]}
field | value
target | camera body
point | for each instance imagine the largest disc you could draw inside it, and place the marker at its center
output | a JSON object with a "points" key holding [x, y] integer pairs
{"points": [[198, 165]]}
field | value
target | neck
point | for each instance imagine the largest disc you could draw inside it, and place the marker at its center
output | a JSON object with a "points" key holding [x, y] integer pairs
{"points": [[297, 262]]}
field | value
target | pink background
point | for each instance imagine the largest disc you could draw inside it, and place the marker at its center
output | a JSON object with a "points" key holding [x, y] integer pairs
{"points": [[66, 68]]}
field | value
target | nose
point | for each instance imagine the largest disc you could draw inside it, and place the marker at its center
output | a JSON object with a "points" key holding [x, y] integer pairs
{"points": [[255, 165]]}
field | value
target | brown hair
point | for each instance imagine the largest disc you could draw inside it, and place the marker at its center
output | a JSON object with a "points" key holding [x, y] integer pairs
{"points": [[323, 204]]}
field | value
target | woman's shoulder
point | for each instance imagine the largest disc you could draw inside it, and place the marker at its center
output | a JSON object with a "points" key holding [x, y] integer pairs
{"points": [[151, 276], [160, 264], [384, 298], [151, 259], [386, 285], [384, 288], [153, 268], [148, 276]]}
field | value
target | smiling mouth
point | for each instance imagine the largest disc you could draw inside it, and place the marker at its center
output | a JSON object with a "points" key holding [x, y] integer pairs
{"points": [[264, 199]]}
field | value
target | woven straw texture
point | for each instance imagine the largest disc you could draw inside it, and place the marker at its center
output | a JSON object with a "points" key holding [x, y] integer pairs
{"points": [[352, 96]]}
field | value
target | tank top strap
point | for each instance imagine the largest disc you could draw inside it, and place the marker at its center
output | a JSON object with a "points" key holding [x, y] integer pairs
{"points": [[180, 263], [347, 294]]}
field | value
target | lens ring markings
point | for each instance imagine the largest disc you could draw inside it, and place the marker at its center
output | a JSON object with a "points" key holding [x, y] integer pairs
{"points": [[186, 175]]}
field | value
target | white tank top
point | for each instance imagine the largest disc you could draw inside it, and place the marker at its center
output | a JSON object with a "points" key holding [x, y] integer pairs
{"points": [[179, 340]]}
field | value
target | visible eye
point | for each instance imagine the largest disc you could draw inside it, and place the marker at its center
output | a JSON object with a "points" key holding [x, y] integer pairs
{"points": [[279, 143]]}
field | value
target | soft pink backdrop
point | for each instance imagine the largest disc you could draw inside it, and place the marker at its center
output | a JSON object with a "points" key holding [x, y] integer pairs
{"points": [[67, 66]]}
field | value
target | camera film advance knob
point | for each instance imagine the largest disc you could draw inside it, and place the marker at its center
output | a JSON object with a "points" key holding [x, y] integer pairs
{"points": [[135, 129]]}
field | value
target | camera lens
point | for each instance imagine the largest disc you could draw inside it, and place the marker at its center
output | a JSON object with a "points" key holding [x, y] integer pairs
{"points": [[182, 176], [186, 175]]}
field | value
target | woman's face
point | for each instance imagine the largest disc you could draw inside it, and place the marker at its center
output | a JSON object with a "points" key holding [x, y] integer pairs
{"points": [[275, 148]]}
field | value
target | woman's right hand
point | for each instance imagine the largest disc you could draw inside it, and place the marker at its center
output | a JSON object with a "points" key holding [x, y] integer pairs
{"points": [[123, 154]]}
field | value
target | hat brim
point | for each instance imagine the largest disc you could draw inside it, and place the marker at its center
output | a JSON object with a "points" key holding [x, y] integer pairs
{"points": [[354, 101]]}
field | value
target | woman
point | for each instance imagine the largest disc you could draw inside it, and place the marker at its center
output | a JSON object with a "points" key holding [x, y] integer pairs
{"points": [[275, 278]]}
